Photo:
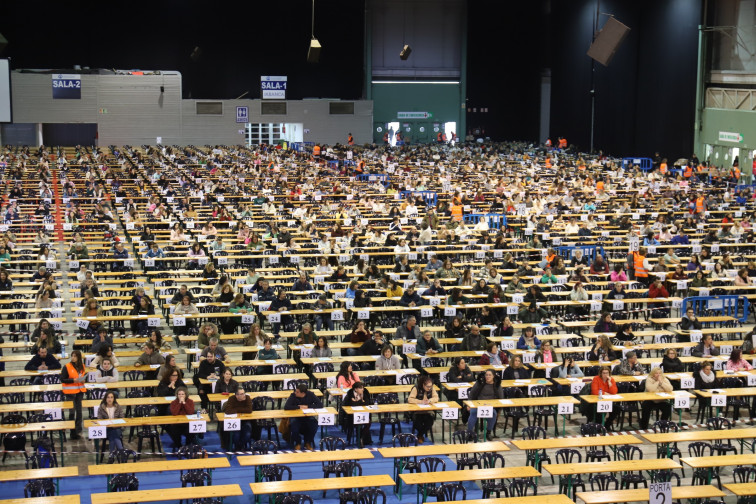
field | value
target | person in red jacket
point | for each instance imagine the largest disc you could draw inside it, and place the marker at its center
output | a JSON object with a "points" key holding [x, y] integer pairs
{"points": [[605, 384], [657, 290], [181, 406]]}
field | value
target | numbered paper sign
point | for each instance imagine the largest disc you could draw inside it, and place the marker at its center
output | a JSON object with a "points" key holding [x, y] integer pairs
{"points": [[434, 301], [595, 306], [197, 426], [55, 413], [618, 305], [231, 424], [512, 309], [682, 401], [498, 254], [72, 265], [97, 432], [57, 325], [752, 380], [528, 357], [409, 348], [450, 413], [660, 493], [719, 400], [50, 264], [274, 318], [518, 298], [331, 381], [248, 318], [179, 321], [463, 392], [304, 353], [153, 322], [425, 312], [687, 382], [82, 324], [604, 406], [149, 262], [565, 408], [507, 344], [326, 419], [337, 315], [695, 336], [361, 418], [576, 387], [485, 411], [450, 311]]}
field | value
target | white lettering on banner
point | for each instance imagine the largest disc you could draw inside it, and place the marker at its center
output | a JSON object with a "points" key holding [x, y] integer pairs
{"points": [[231, 424], [326, 419], [274, 318], [604, 406], [361, 418], [485, 411], [197, 426], [449, 413], [179, 321], [565, 408], [97, 432]]}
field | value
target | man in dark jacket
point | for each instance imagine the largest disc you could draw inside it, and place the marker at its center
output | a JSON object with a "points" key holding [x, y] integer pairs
{"points": [[179, 296], [240, 402], [373, 346], [705, 347], [487, 387], [305, 427], [42, 361], [210, 368], [473, 341]]}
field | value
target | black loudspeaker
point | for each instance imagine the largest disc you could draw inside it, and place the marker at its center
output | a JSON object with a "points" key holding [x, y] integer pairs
{"points": [[608, 41], [406, 51], [313, 53], [3, 42]]}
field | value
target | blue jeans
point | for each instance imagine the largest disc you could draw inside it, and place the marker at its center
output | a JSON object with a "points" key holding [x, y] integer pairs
{"points": [[491, 422], [320, 320], [242, 437], [114, 438]]}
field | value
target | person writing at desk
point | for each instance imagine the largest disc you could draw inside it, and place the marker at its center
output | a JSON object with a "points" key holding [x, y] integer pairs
{"points": [[603, 384], [705, 347], [423, 393], [239, 403], [656, 383], [303, 427]]}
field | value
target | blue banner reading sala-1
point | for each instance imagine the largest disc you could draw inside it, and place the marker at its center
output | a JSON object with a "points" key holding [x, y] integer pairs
{"points": [[66, 86]]}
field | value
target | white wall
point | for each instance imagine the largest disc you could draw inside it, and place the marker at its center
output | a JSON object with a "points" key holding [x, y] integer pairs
{"points": [[131, 110]]}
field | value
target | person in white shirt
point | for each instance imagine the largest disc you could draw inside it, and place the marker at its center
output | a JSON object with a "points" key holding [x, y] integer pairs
{"points": [[572, 227], [410, 210], [401, 249]]}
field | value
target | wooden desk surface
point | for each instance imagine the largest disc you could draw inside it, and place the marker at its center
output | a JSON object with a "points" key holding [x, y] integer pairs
{"points": [[309, 485], [266, 414], [469, 475], [36, 406], [742, 391], [153, 420], [739, 489], [310, 456], [27, 474], [157, 466], [614, 466], [636, 396], [167, 494], [53, 499], [577, 442], [400, 408], [720, 460], [523, 401], [641, 494], [530, 499], [706, 435], [38, 427], [432, 450]]}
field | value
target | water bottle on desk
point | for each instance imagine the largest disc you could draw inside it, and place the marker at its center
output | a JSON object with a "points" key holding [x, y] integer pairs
{"points": [[601, 394], [63, 349]]}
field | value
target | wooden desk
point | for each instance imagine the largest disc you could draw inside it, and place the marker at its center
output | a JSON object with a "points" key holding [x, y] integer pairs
{"points": [[319, 484], [741, 489], [530, 499], [167, 494], [53, 499], [28, 474], [641, 494], [708, 435], [429, 478], [302, 457], [526, 402], [577, 442], [404, 408], [719, 460]]}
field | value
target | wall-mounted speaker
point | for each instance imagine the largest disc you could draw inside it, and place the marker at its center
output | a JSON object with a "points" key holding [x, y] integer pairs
{"points": [[608, 41], [313, 53]]}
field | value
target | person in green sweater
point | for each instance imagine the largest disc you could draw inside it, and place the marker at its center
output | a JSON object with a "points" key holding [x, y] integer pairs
{"points": [[548, 277], [267, 352]]}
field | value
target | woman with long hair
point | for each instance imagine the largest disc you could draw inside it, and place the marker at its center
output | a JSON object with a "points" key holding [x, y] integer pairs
{"points": [[72, 376]]}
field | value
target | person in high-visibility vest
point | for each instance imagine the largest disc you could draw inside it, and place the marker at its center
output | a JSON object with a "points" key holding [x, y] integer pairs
{"points": [[735, 174], [562, 143], [316, 151], [641, 266], [548, 143], [73, 376], [456, 213], [350, 139], [600, 186], [700, 204], [688, 172], [663, 169], [439, 137], [386, 138]]}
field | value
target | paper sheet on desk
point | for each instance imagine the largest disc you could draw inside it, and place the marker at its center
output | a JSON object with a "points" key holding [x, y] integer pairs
{"points": [[612, 396], [308, 411], [170, 398], [321, 410], [442, 405], [392, 371], [358, 408], [506, 401], [423, 405], [664, 394]]}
